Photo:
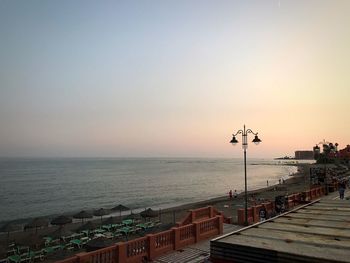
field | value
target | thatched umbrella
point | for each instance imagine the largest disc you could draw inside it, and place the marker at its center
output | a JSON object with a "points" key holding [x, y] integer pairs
{"points": [[10, 227], [82, 215], [98, 243], [61, 221], [101, 212], [37, 223], [148, 213], [120, 208]]}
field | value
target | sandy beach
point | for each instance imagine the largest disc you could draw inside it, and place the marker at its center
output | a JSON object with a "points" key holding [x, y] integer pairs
{"points": [[170, 216]]}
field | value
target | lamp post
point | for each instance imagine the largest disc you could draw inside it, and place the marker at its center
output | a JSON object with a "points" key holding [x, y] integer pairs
{"points": [[234, 141]]}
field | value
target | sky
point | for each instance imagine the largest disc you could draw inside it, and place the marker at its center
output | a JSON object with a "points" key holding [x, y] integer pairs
{"points": [[172, 78]]}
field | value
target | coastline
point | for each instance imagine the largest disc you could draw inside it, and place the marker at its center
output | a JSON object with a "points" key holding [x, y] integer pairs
{"points": [[169, 216]]}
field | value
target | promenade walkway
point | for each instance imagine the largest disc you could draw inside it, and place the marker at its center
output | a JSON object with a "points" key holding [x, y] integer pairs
{"points": [[315, 232], [200, 252], [195, 253]]}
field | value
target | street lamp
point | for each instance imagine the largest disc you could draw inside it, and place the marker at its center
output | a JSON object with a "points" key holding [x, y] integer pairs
{"points": [[234, 141]]}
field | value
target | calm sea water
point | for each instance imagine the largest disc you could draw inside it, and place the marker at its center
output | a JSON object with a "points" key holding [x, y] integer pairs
{"points": [[41, 187]]}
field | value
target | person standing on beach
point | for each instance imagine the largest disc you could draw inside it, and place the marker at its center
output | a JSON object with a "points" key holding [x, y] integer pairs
{"points": [[262, 214], [267, 183], [236, 193], [230, 194], [341, 190]]}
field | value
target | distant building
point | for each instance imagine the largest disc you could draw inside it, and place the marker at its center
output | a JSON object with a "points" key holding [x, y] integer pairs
{"points": [[344, 154], [305, 155]]}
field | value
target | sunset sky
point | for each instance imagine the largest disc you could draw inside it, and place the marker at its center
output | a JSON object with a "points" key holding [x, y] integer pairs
{"points": [[172, 78]]}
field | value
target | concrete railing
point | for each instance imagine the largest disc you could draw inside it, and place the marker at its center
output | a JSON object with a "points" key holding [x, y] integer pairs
{"points": [[200, 214], [291, 201], [153, 245]]}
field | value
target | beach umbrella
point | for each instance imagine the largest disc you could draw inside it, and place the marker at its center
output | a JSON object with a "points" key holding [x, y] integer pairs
{"points": [[98, 243], [120, 208], [61, 220], [82, 215], [101, 212], [10, 227], [148, 213], [37, 223]]}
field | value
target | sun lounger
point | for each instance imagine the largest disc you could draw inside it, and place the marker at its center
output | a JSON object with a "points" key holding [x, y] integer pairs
{"points": [[127, 222], [124, 230], [37, 255], [49, 250], [15, 258], [86, 232], [20, 258], [76, 242], [109, 235], [11, 252], [22, 250], [108, 228], [99, 235], [5, 260], [47, 241], [99, 231], [117, 235], [115, 226]]}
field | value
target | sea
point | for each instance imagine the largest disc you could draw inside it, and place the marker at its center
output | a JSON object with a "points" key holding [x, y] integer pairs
{"points": [[32, 188]]}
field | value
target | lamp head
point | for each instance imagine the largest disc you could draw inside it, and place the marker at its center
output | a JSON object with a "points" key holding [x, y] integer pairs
{"points": [[256, 140], [234, 140]]}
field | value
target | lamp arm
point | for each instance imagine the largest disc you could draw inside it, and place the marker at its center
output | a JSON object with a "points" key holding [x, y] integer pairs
{"points": [[250, 131], [238, 132]]}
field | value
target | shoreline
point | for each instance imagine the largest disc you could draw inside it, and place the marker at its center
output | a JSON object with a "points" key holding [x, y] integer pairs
{"points": [[162, 207], [170, 215]]}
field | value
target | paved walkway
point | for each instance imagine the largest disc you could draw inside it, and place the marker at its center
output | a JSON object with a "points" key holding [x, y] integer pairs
{"points": [[194, 253], [200, 251]]}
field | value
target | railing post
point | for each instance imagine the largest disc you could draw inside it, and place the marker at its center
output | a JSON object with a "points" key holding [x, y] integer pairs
{"points": [[151, 246], [256, 213], [240, 216], [193, 216], [121, 248], [82, 258], [211, 211], [196, 231], [176, 237], [221, 224]]}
